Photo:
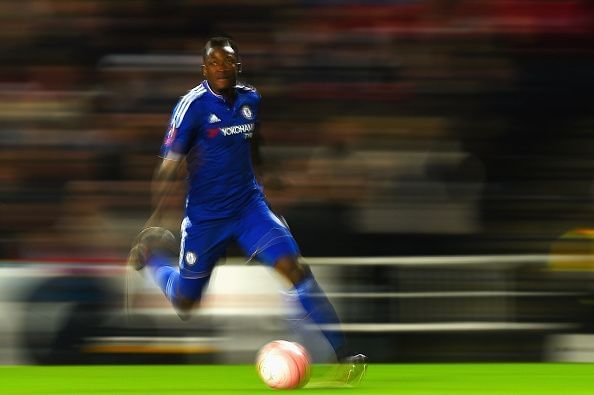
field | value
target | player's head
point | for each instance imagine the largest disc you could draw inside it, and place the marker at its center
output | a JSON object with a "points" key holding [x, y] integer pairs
{"points": [[220, 63]]}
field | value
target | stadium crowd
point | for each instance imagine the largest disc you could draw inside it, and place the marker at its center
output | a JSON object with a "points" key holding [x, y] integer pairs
{"points": [[391, 127]]}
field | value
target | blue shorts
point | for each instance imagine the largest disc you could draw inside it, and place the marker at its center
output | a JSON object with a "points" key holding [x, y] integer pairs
{"points": [[256, 229]]}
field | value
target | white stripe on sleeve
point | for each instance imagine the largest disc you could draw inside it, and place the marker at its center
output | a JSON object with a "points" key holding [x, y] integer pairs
{"points": [[184, 104]]}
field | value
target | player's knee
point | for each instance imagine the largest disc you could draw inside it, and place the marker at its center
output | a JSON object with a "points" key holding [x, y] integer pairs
{"points": [[291, 269]]}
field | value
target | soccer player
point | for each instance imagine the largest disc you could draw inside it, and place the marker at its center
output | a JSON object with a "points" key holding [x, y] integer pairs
{"points": [[215, 127]]}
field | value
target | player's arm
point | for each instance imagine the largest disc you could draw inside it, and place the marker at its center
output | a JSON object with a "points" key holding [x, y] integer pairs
{"points": [[264, 168], [256, 153], [176, 144], [163, 185]]}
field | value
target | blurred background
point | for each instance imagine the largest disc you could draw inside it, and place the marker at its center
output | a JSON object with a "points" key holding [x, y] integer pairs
{"points": [[433, 159]]}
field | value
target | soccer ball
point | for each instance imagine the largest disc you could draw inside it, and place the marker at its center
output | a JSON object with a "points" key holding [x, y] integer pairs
{"points": [[283, 365]]}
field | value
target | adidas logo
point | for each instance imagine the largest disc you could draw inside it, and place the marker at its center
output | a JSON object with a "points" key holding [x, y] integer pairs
{"points": [[213, 119]]}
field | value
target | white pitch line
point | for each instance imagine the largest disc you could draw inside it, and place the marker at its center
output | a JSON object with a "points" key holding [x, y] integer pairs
{"points": [[452, 294], [446, 327], [451, 260]]}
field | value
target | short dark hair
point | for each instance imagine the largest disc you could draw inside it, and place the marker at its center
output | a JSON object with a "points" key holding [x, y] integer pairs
{"points": [[219, 42]]}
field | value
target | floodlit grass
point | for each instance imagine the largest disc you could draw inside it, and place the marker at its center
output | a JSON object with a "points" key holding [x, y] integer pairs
{"points": [[417, 379]]}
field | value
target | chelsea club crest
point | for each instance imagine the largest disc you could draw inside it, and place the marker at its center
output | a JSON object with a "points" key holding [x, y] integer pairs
{"points": [[246, 111], [191, 258]]}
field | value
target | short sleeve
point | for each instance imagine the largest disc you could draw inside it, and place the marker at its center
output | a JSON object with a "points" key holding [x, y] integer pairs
{"points": [[181, 130]]}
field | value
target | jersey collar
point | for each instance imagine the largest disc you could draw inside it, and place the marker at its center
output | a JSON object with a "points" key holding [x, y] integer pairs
{"points": [[221, 97], [205, 84]]}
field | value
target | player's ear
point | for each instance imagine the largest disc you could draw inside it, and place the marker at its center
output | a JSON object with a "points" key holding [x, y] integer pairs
{"points": [[239, 68], [203, 68]]}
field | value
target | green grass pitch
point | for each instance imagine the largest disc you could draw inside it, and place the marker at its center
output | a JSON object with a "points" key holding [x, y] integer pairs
{"points": [[416, 379]]}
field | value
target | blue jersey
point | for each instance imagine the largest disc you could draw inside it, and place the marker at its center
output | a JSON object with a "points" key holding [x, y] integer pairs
{"points": [[215, 137]]}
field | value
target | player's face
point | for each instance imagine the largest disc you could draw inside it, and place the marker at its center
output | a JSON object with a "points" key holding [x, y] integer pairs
{"points": [[220, 68]]}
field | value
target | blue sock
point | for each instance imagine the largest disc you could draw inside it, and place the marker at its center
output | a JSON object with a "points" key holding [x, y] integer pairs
{"points": [[165, 275], [175, 287], [320, 311]]}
